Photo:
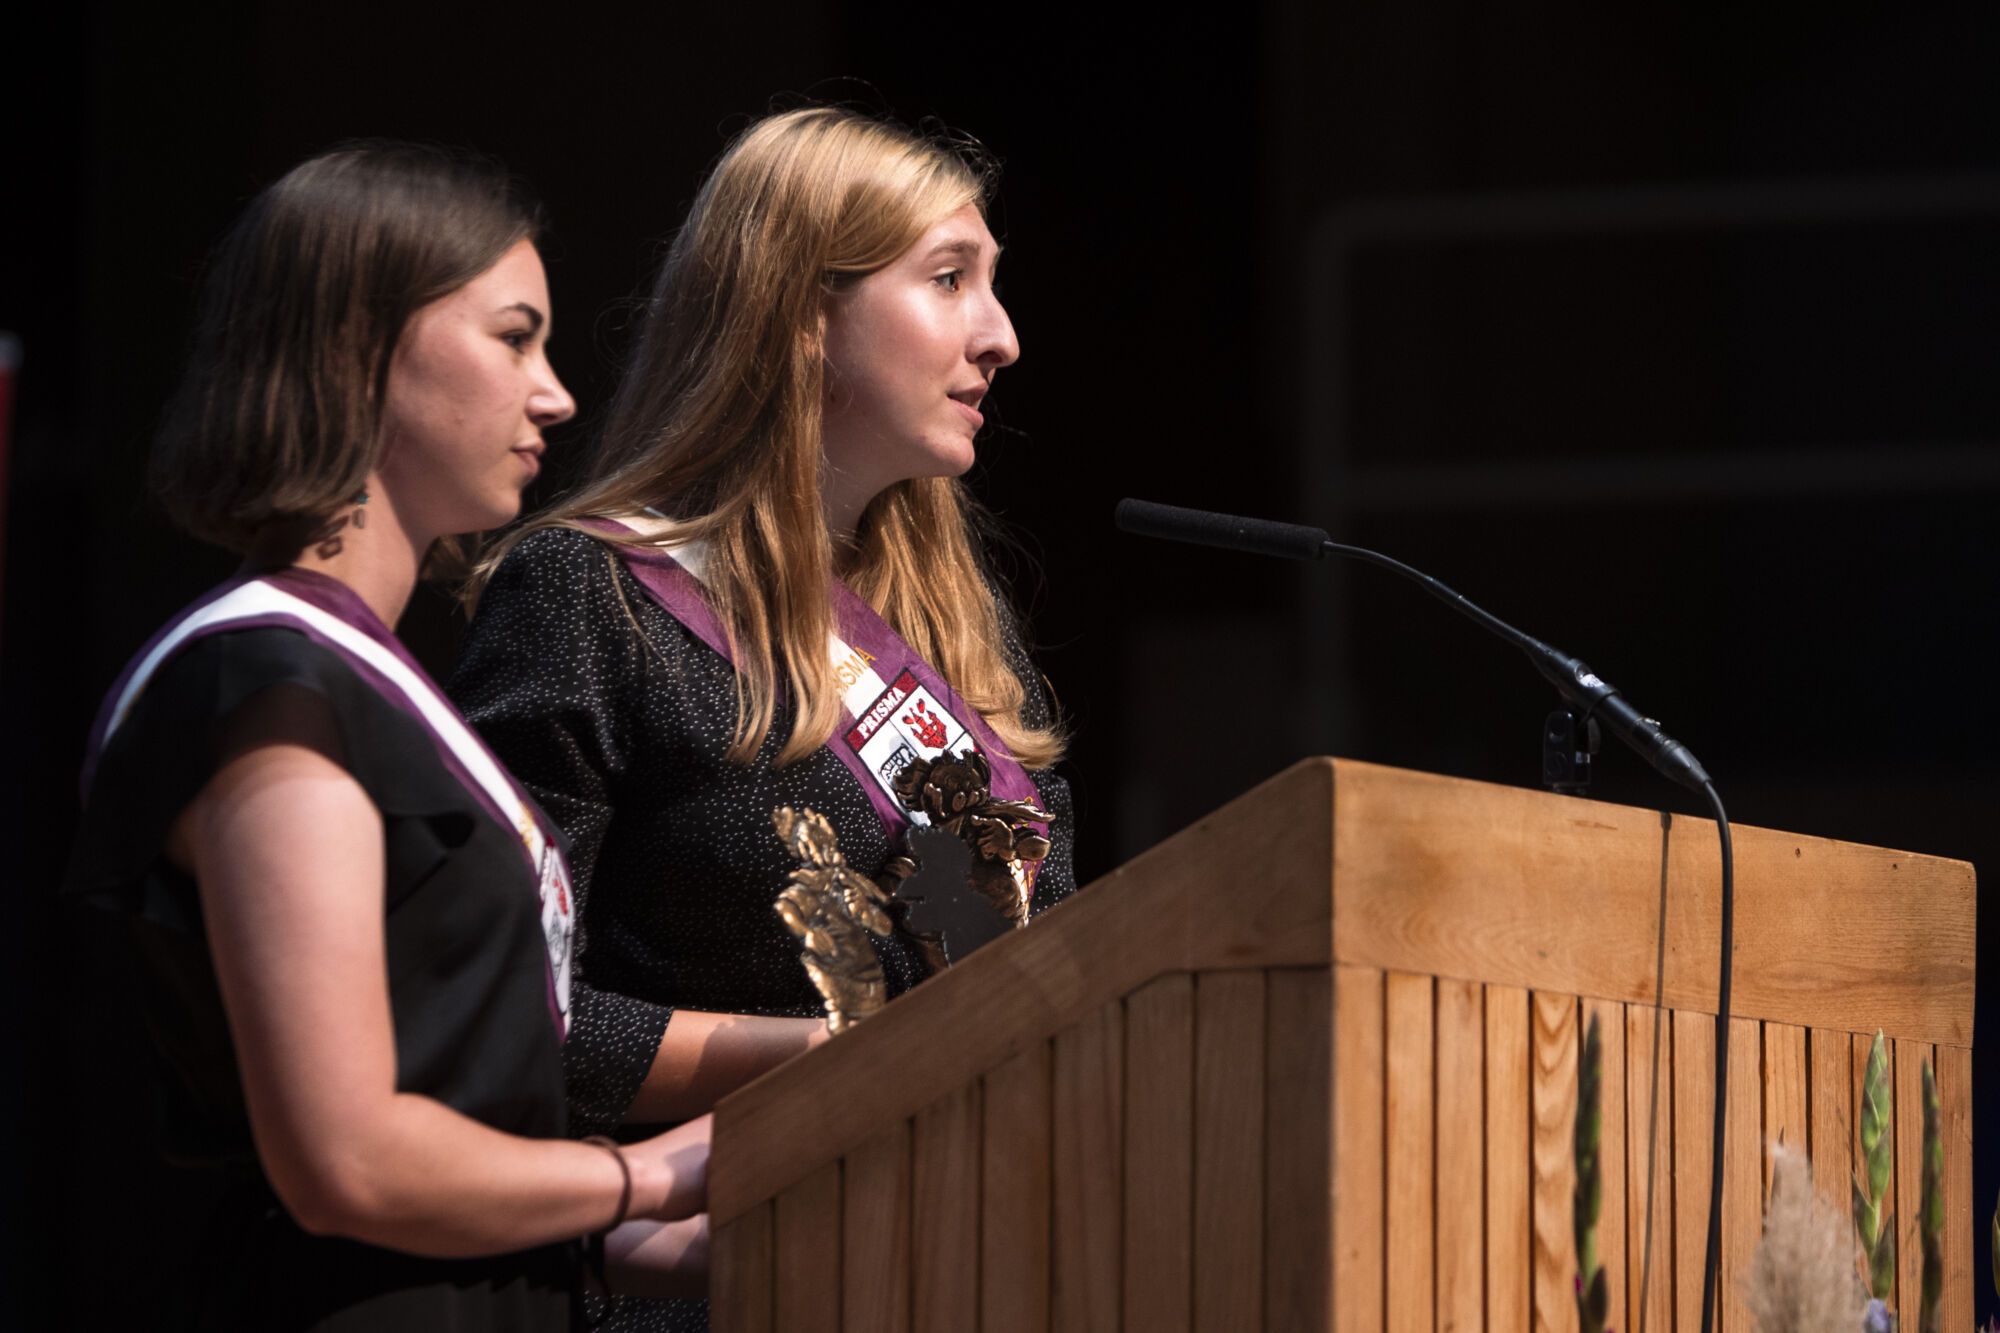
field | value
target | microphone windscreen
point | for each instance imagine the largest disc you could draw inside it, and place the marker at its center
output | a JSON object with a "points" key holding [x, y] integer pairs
{"points": [[1258, 536]]}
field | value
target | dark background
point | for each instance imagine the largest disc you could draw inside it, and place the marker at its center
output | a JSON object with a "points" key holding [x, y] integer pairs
{"points": [[1668, 333]]}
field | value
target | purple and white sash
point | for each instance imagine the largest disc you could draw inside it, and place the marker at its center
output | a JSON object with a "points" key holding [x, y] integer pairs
{"points": [[895, 706], [333, 616]]}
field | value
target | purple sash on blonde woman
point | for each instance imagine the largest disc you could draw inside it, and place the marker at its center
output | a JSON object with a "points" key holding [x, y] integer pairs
{"points": [[896, 708]]}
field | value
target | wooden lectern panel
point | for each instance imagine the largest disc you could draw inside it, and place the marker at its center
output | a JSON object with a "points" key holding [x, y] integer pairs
{"points": [[1829, 1055], [1960, 1272], [1461, 1165], [1785, 1097], [1229, 1151], [1743, 1166], [742, 1280], [1649, 1179], [1298, 1122], [1312, 1063], [1612, 1218], [1159, 1154], [1693, 1130], [1360, 1075], [1552, 1079], [944, 1213], [1089, 1177], [1015, 1174], [808, 1268], [1510, 1214], [875, 1233], [1463, 879], [1408, 1121]]}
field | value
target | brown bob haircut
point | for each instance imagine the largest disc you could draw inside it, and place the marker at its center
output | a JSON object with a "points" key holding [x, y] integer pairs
{"points": [[278, 417]]}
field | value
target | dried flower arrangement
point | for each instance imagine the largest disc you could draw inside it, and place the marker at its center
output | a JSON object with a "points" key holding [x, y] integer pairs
{"points": [[1804, 1274], [1802, 1278]]}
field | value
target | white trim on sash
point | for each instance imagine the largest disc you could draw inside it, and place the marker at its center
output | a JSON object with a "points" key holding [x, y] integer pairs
{"points": [[258, 598]]}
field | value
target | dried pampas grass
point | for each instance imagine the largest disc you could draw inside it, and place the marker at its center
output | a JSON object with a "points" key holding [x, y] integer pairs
{"points": [[1803, 1279]]}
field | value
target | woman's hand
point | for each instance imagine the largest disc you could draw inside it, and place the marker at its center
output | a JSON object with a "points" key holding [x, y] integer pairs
{"points": [[670, 1171], [660, 1260]]}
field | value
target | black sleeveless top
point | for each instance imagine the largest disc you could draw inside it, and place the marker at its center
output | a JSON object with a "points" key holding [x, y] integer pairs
{"points": [[468, 989]]}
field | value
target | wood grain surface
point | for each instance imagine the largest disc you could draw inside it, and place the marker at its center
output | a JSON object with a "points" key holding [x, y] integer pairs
{"points": [[1503, 884], [875, 1233], [1787, 1106], [1409, 1125], [1088, 1079], [1649, 1137], [1312, 1062], [1742, 1172], [807, 1250], [1015, 1174], [1409, 872], [1298, 1098], [1229, 1151], [1359, 1076], [1461, 1164], [1910, 1059], [742, 1277], [1245, 886], [1694, 1128], [1611, 1152], [1553, 1098], [1830, 1058], [1510, 1214], [1961, 1270], [1159, 1154], [944, 1213]]}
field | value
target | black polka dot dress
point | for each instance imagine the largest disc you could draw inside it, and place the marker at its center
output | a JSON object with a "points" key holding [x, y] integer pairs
{"points": [[617, 718]]}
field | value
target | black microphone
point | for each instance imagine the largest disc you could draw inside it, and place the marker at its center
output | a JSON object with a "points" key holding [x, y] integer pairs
{"points": [[1258, 536], [1577, 683]]}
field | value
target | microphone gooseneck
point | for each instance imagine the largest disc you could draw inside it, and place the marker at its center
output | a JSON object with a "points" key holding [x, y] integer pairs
{"points": [[1578, 684]]}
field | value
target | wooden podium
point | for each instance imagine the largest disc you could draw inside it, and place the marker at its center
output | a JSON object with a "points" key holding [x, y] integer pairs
{"points": [[1311, 1063]]}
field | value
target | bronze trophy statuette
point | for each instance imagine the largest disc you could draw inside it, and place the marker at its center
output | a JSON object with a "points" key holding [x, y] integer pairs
{"points": [[833, 909], [961, 883], [954, 792]]}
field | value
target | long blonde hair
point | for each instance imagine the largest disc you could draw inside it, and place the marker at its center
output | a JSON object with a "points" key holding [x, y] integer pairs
{"points": [[716, 425]]}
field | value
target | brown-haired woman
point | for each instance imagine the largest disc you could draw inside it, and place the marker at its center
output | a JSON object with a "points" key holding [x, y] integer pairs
{"points": [[353, 926], [772, 534]]}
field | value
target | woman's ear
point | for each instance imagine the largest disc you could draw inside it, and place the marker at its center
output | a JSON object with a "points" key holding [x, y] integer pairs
{"points": [[812, 354]]}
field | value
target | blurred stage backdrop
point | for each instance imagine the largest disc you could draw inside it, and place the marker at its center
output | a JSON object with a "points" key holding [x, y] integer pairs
{"points": [[1670, 335]]}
